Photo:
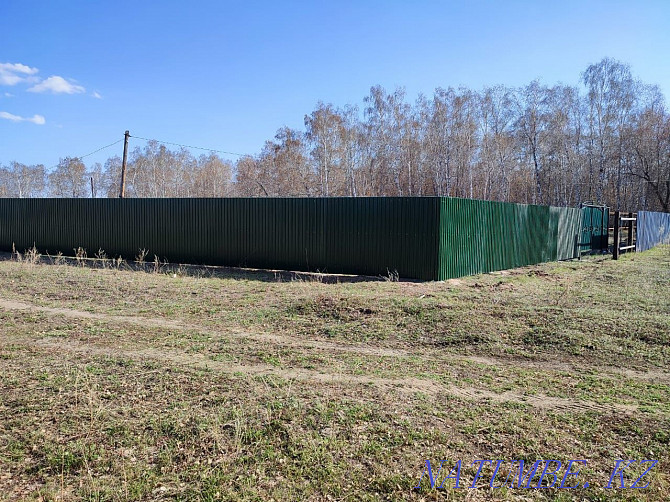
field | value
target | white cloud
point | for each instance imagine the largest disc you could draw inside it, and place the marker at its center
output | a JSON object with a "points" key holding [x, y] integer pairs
{"points": [[97, 95], [57, 85], [9, 95], [13, 73], [35, 119]]}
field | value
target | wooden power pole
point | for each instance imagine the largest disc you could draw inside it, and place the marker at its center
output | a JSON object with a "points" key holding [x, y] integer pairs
{"points": [[122, 192]]}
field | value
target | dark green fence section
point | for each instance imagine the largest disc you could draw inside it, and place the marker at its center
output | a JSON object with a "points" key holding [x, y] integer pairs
{"points": [[568, 221], [425, 238], [372, 236], [482, 236], [595, 220]]}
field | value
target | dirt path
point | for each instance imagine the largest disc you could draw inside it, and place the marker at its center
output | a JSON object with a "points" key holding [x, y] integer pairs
{"points": [[656, 376], [173, 325], [436, 390], [199, 361], [541, 401]]}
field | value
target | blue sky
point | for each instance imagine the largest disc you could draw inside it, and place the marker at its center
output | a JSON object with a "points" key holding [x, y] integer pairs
{"points": [[227, 75]]}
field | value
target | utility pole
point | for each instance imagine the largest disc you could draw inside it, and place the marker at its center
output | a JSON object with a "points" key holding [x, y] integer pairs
{"points": [[92, 190], [122, 192]]}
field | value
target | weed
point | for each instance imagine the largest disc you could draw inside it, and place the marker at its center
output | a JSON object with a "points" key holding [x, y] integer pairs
{"points": [[157, 264], [102, 258], [391, 276], [80, 256], [141, 256], [16, 256], [32, 256], [57, 259]]}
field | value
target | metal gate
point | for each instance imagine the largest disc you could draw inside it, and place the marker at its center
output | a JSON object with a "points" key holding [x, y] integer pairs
{"points": [[594, 236]]}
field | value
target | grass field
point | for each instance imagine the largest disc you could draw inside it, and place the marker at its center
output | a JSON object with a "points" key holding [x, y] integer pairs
{"points": [[198, 384]]}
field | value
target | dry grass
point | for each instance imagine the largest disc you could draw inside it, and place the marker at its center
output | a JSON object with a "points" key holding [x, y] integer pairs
{"points": [[205, 384]]}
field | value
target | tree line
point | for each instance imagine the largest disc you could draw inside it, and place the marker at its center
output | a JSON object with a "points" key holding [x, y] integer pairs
{"points": [[606, 140]]}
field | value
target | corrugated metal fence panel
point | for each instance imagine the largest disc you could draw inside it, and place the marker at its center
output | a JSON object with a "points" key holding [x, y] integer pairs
{"points": [[652, 229], [594, 229], [370, 236], [568, 232], [483, 236], [424, 238]]}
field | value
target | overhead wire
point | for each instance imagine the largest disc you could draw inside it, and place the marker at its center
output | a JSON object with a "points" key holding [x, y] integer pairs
{"points": [[91, 153], [190, 146], [158, 141], [100, 149]]}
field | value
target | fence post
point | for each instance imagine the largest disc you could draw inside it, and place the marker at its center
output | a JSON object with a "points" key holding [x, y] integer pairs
{"points": [[615, 251], [631, 226], [606, 228]]}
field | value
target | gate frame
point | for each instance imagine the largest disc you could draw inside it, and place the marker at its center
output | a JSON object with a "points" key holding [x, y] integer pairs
{"points": [[632, 229], [604, 226]]}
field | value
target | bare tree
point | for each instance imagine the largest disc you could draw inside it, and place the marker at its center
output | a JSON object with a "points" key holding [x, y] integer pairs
{"points": [[212, 177], [611, 98], [532, 128], [324, 136], [69, 179], [649, 144], [20, 180]]}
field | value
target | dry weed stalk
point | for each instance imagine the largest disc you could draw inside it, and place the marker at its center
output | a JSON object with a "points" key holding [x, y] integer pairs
{"points": [[80, 255], [141, 256], [32, 255], [101, 256]]}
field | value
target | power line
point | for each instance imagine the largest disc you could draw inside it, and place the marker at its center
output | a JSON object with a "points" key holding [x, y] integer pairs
{"points": [[100, 149], [159, 141], [88, 154], [190, 146]]}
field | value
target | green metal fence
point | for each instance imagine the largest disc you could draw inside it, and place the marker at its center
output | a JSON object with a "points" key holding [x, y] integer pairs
{"points": [[428, 238], [482, 236], [595, 220], [345, 235]]}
